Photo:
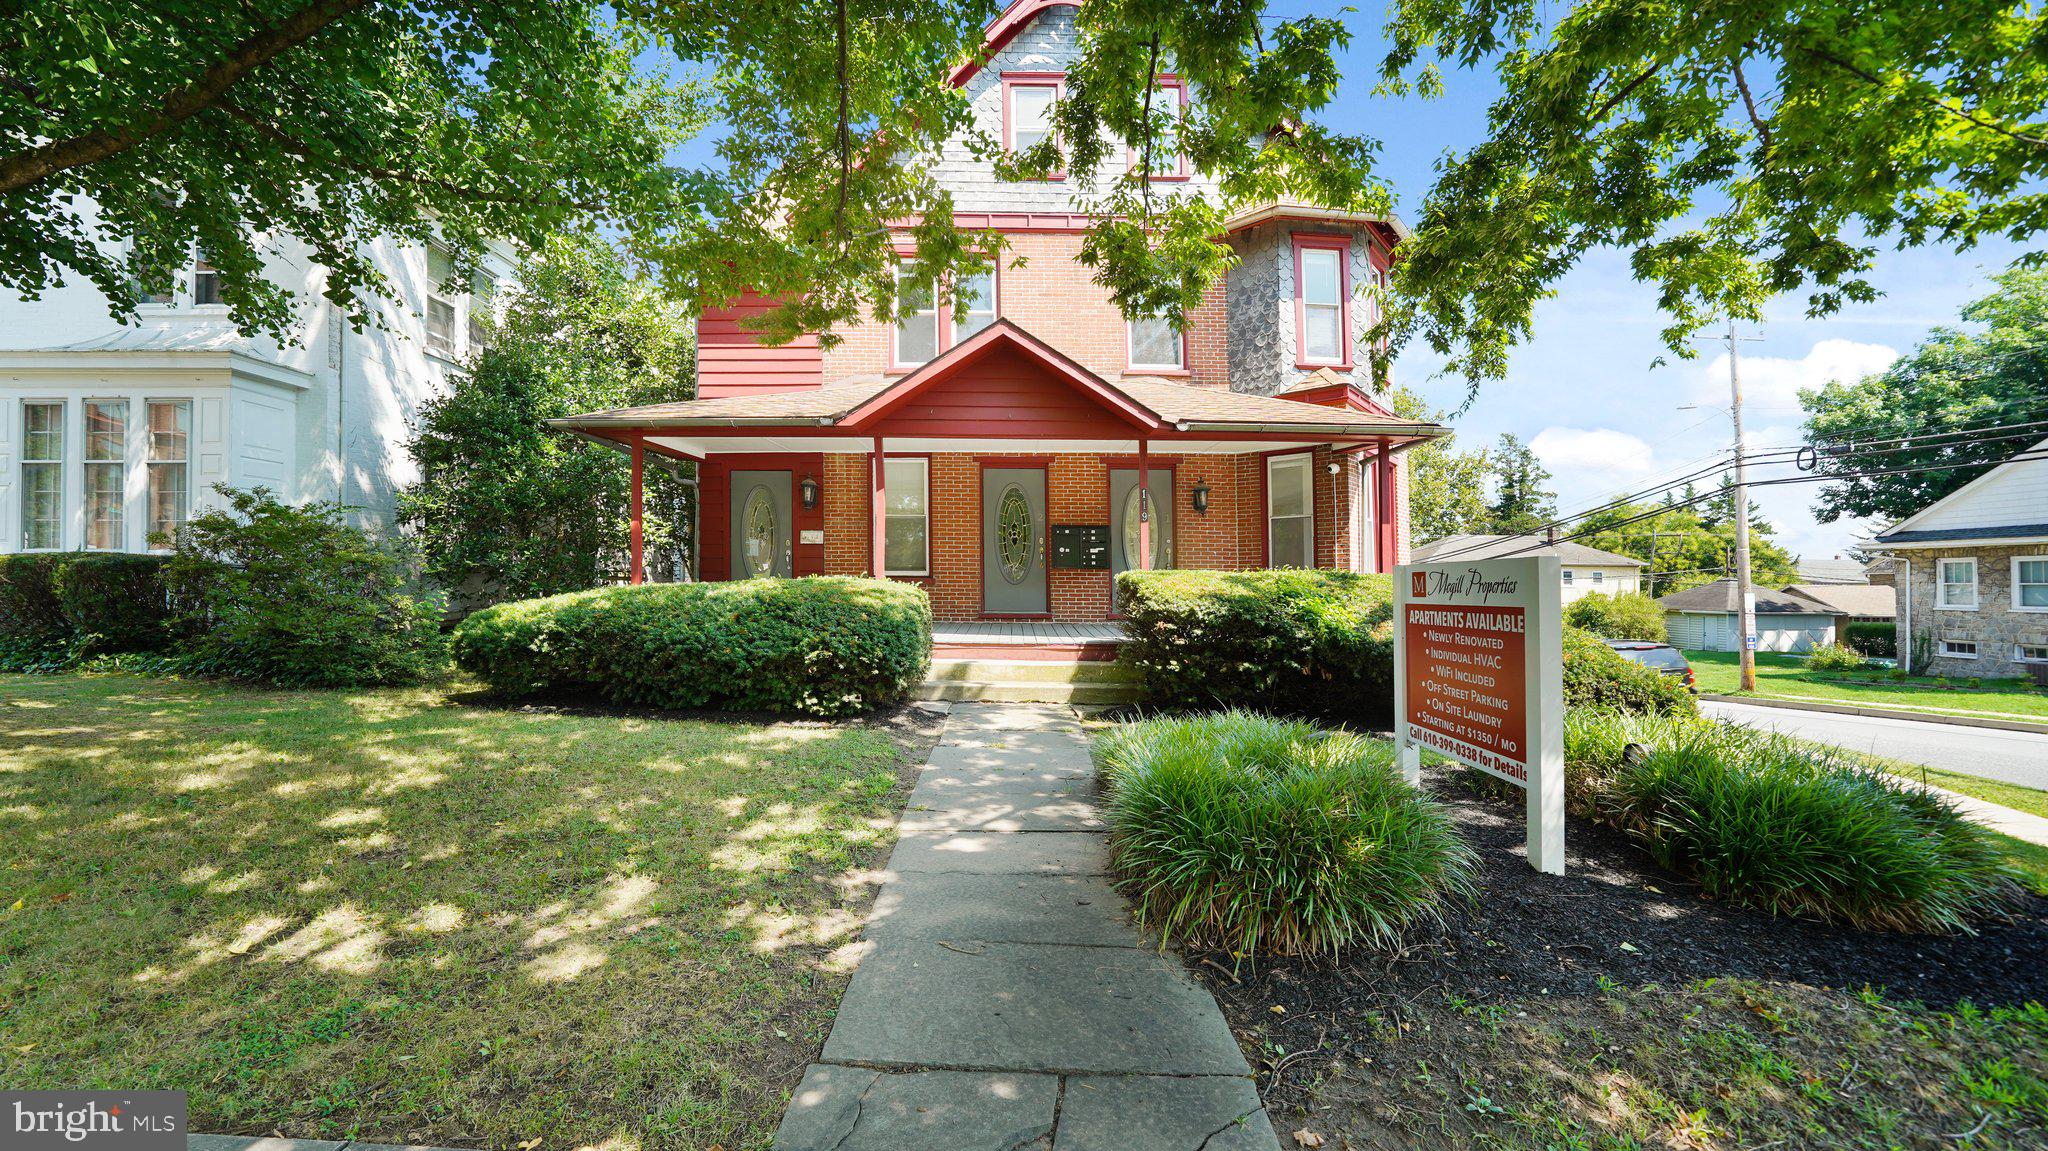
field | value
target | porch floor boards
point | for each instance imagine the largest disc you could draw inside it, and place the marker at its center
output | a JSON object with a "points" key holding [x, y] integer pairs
{"points": [[1026, 632]]}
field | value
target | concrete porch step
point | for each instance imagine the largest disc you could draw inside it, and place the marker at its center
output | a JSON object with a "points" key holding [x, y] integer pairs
{"points": [[1026, 691], [946, 670]]}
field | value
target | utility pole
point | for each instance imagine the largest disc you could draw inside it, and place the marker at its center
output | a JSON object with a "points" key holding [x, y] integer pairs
{"points": [[1745, 591]]}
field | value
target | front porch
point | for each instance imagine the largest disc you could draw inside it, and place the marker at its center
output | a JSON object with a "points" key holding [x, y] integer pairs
{"points": [[1014, 484], [1047, 640]]}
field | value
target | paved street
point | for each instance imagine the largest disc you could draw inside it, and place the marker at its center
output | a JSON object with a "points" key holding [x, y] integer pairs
{"points": [[2014, 756]]}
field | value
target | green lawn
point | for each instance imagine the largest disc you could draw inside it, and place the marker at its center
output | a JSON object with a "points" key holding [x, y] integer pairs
{"points": [[1783, 675], [394, 917]]}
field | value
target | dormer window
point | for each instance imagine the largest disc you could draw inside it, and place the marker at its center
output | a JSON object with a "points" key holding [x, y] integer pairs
{"points": [[1028, 98], [1156, 345], [1322, 321]]}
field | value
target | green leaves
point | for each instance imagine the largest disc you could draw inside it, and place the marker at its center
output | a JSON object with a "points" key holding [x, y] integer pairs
{"points": [[1735, 151]]}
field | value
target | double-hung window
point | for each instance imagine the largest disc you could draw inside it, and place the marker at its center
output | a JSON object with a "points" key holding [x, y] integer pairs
{"points": [[1290, 512], [1027, 108], [1156, 344], [106, 474], [441, 303], [1169, 110], [1321, 298], [169, 464], [2030, 583], [42, 474], [205, 281], [1956, 589], [483, 293], [925, 321], [906, 527]]}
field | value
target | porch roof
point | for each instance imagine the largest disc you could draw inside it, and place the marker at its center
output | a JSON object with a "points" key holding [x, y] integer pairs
{"points": [[1138, 406]]}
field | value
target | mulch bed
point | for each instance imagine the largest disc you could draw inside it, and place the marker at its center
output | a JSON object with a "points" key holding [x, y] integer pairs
{"points": [[1530, 935]]}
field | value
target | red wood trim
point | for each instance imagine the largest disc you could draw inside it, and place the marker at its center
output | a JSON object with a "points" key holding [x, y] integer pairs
{"points": [[1126, 463], [1015, 462], [1144, 506], [960, 355], [878, 489], [1387, 522], [1068, 223], [1339, 242], [1000, 32], [1057, 81], [637, 571]]}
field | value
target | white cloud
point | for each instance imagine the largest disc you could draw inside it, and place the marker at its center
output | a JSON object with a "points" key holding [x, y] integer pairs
{"points": [[1772, 383], [1572, 451]]}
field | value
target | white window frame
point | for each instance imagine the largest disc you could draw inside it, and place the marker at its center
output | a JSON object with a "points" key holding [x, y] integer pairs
{"points": [[2019, 653], [1180, 344], [1942, 584], [930, 316], [151, 465], [1566, 573], [2016, 587], [924, 464], [958, 328], [1599, 576], [1052, 83], [448, 345], [63, 469], [203, 269], [1308, 473], [1943, 649], [483, 294], [119, 464]]}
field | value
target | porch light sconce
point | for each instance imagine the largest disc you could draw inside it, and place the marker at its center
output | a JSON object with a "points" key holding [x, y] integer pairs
{"points": [[1333, 467], [1199, 496], [808, 487]]}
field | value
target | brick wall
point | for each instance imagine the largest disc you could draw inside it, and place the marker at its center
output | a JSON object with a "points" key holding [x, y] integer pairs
{"points": [[1054, 298]]}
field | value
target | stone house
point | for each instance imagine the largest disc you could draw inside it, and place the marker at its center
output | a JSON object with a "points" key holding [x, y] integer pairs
{"points": [[1972, 573], [997, 459]]}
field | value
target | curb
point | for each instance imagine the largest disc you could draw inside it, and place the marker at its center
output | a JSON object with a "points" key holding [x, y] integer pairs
{"points": [[2019, 725]]}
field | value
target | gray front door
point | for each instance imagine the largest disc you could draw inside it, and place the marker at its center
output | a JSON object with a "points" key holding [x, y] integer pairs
{"points": [[761, 525], [1013, 541], [1123, 517]]}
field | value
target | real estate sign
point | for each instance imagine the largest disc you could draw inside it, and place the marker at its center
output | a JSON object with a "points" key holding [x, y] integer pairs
{"points": [[1479, 677]]}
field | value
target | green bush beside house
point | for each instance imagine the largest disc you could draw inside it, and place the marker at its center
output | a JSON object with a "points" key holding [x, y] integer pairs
{"points": [[1873, 639], [1629, 615], [825, 645]]}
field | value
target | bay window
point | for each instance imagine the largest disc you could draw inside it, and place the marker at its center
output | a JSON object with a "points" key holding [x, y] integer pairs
{"points": [[1290, 512], [42, 474], [1321, 297], [1956, 584], [906, 527], [106, 474], [169, 464]]}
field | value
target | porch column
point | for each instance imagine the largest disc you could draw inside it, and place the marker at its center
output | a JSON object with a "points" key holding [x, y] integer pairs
{"points": [[637, 572], [878, 513], [1383, 521], [1144, 504]]}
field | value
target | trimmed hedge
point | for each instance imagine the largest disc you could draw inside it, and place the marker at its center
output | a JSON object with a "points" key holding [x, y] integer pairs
{"points": [[826, 645], [1300, 642], [1875, 640], [29, 611], [114, 603], [1595, 676], [1834, 657]]}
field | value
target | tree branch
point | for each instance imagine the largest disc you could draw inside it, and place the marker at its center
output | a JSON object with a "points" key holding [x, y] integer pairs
{"points": [[1609, 104], [1763, 130], [1965, 114], [180, 104]]}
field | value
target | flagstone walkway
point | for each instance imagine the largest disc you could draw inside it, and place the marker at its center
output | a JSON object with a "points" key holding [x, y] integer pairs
{"points": [[1006, 1003]]}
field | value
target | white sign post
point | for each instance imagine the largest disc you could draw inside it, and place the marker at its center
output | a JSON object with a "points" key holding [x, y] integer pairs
{"points": [[1479, 677]]}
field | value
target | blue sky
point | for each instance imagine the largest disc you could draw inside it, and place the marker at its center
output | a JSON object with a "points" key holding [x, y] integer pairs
{"points": [[1585, 392]]}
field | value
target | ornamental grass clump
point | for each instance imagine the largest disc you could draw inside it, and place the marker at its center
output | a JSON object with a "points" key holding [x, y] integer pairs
{"points": [[1767, 820], [1256, 834]]}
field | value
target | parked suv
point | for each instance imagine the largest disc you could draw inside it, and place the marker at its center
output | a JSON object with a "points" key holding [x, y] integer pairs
{"points": [[1661, 656]]}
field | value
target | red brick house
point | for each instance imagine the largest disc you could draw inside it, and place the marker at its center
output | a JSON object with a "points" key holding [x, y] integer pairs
{"points": [[995, 460]]}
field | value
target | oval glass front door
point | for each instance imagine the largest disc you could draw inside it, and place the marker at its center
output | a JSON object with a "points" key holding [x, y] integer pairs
{"points": [[1013, 534], [1162, 548], [758, 531]]}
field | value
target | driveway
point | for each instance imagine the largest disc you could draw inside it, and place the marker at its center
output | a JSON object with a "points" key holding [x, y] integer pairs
{"points": [[2013, 756]]}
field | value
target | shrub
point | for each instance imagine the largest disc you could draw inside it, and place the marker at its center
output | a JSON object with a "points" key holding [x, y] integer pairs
{"points": [[1629, 615], [1834, 657], [30, 616], [1253, 833], [1876, 640], [1315, 643], [1595, 676], [1767, 820], [294, 597], [113, 602], [828, 645]]}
